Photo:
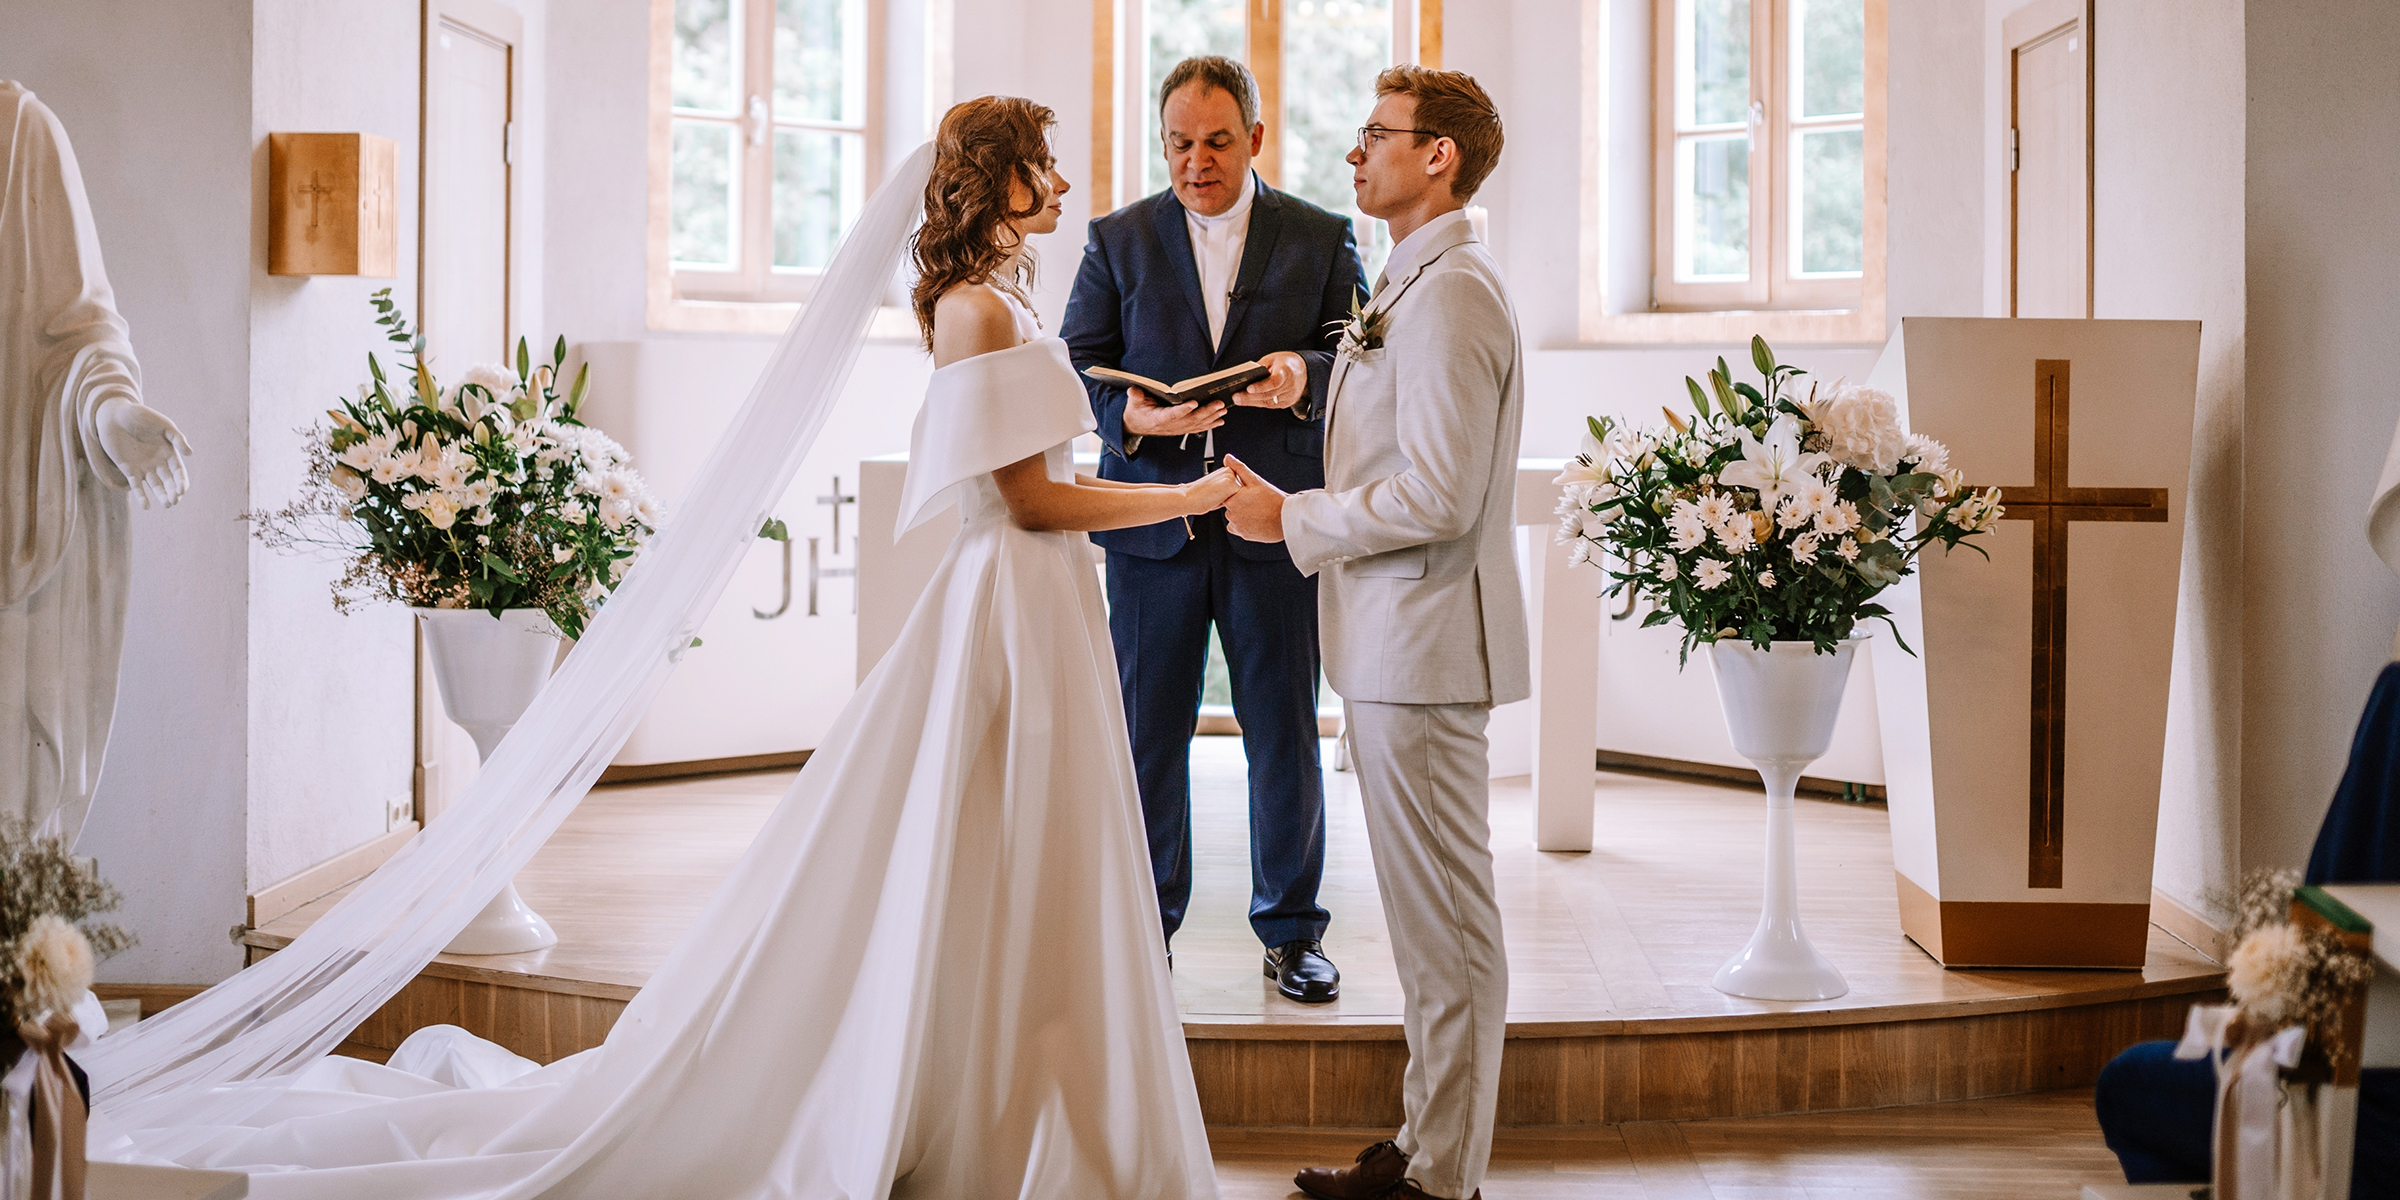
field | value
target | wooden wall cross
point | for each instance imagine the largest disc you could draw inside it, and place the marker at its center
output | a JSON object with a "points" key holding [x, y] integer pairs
{"points": [[2051, 504]]}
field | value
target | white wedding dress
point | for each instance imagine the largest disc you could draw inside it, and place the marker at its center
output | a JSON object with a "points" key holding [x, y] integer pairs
{"points": [[938, 972]]}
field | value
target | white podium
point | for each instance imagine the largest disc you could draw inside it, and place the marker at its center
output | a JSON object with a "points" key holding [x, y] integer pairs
{"points": [[1563, 611]]}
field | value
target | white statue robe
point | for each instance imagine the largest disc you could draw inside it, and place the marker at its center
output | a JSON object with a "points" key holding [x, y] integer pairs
{"points": [[64, 562]]}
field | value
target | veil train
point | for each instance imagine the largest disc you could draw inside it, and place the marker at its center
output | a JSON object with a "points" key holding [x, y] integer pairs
{"points": [[166, 1075]]}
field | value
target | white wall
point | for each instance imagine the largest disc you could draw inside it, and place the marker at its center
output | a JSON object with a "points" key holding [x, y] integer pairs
{"points": [[331, 708], [2318, 609]]}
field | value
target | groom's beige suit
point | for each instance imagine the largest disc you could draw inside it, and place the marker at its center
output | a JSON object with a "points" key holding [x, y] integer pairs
{"points": [[1413, 540]]}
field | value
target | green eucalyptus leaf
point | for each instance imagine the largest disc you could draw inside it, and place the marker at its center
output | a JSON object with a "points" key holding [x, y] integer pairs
{"points": [[499, 566]]}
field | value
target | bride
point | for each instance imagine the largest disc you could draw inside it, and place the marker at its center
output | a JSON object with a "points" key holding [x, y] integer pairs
{"points": [[938, 972]]}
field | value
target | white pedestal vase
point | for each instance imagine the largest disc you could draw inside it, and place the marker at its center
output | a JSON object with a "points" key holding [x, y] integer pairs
{"points": [[1780, 706], [490, 669]]}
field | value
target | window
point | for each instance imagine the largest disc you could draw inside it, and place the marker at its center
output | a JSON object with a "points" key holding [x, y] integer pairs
{"points": [[1761, 171], [1315, 60], [768, 153]]}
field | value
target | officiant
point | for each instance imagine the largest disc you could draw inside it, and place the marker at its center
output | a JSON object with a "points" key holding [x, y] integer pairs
{"points": [[1219, 270]]}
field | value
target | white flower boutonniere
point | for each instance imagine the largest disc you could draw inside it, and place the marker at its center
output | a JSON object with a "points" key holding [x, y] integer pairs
{"points": [[1364, 330]]}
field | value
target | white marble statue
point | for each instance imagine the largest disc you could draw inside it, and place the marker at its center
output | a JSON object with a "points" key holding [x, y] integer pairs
{"points": [[75, 443]]}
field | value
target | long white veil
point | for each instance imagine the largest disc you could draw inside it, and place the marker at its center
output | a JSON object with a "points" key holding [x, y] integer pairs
{"points": [[167, 1073]]}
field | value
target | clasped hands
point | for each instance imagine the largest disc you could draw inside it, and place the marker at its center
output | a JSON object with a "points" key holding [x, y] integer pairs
{"points": [[1253, 507]]}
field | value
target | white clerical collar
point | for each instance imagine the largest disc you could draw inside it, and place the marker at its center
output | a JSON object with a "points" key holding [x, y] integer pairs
{"points": [[1406, 257], [1239, 212]]}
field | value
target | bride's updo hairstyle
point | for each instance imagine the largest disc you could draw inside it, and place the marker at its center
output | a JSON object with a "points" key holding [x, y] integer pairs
{"points": [[984, 145]]}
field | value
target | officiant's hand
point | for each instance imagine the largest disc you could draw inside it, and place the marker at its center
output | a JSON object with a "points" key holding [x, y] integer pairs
{"points": [[1147, 418], [1255, 513], [146, 447], [1285, 384]]}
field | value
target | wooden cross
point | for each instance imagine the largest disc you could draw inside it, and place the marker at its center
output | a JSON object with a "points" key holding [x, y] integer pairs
{"points": [[2050, 504]]}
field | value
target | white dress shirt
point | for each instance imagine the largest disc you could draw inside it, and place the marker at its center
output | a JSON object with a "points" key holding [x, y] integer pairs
{"points": [[1217, 246], [1403, 260]]}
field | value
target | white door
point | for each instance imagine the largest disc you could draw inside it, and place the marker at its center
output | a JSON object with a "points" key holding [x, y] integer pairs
{"points": [[2050, 177], [464, 274]]}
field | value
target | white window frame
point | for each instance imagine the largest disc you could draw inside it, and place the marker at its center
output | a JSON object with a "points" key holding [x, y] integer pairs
{"points": [[753, 295], [1775, 300]]}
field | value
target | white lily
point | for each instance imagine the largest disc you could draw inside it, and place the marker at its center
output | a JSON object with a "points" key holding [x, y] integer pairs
{"points": [[1775, 465]]}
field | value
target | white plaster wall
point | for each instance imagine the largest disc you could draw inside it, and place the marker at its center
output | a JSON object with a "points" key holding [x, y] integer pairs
{"points": [[2318, 608], [156, 100], [330, 696], [2167, 243]]}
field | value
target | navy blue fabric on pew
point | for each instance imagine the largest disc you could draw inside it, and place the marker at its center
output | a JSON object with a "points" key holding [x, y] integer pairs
{"points": [[2155, 1111]]}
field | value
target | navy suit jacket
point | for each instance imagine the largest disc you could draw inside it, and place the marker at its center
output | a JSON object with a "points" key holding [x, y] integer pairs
{"points": [[1137, 307]]}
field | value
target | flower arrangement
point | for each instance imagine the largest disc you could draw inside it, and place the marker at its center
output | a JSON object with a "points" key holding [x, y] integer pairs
{"points": [[1766, 516], [488, 494], [46, 899], [2281, 975]]}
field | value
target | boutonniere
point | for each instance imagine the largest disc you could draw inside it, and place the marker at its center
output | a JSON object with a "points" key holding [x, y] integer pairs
{"points": [[1364, 330]]}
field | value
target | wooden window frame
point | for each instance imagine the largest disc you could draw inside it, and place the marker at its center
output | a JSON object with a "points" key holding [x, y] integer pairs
{"points": [[1771, 302], [1120, 94], [755, 296]]}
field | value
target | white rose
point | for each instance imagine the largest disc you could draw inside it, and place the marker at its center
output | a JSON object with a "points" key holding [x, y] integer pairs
{"points": [[493, 377], [1861, 427]]}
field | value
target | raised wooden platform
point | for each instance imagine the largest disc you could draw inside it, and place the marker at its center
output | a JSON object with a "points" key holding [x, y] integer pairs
{"points": [[1611, 1017]]}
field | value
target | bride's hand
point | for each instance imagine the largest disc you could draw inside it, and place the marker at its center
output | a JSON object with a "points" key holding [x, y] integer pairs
{"points": [[1210, 492]]}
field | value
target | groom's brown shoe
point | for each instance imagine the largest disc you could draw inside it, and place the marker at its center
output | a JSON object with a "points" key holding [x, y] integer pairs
{"points": [[1378, 1169]]}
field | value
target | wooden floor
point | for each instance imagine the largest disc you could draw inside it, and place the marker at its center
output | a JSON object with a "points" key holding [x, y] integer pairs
{"points": [[2043, 1146], [1611, 1015]]}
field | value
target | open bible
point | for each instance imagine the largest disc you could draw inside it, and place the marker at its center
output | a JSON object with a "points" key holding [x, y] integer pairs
{"points": [[1215, 385]]}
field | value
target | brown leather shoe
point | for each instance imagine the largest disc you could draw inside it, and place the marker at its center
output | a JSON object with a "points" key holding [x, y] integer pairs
{"points": [[1372, 1176]]}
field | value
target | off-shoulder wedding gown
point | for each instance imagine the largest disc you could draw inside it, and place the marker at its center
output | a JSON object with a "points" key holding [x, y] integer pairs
{"points": [[938, 972]]}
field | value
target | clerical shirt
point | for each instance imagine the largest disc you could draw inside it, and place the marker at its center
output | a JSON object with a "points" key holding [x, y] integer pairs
{"points": [[1217, 246]]}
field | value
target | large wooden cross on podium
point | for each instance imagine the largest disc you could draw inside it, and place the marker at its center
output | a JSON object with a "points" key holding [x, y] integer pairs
{"points": [[2050, 504]]}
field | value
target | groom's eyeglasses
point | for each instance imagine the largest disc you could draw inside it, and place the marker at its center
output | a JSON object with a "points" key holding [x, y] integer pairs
{"points": [[1378, 132]]}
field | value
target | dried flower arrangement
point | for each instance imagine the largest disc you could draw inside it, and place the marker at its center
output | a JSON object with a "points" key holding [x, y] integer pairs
{"points": [[2282, 975], [47, 897]]}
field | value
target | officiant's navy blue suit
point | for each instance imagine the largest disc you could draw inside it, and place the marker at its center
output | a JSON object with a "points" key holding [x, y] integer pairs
{"points": [[1137, 307]]}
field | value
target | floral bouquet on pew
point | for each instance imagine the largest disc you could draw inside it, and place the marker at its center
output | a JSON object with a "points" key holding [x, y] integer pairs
{"points": [[487, 494], [47, 947], [1768, 515]]}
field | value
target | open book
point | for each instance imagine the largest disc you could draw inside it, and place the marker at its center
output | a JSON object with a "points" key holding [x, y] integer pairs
{"points": [[1215, 385]]}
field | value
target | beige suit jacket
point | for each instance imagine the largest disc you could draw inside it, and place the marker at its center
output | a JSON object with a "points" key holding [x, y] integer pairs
{"points": [[1413, 537]]}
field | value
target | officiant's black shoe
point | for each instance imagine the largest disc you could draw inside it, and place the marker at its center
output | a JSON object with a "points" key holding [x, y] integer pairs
{"points": [[1372, 1176], [1302, 972]]}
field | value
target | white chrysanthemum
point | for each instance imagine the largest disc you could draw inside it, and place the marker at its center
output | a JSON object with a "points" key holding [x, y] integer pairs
{"points": [[1930, 456], [1793, 513], [614, 513], [483, 516], [1667, 570], [1804, 548], [413, 501], [620, 485], [1861, 427], [1596, 523], [1766, 578], [1711, 574], [359, 456], [387, 470], [349, 483], [1737, 534], [1687, 526], [647, 508], [1814, 495], [479, 492], [1714, 507], [1579, 553], [1847, 549], [1837, 519]]}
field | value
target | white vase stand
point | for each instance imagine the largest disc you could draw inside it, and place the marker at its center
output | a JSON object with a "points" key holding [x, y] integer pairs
{"points": [[490, 670], [1780, 707]]}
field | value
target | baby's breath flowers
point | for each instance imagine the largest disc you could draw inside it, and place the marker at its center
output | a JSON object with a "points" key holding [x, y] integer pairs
{"points": [[1765, 517], [47, 943], [489, 494], [2281, 975]]}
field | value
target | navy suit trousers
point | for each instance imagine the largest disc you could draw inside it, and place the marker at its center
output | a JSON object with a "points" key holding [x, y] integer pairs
{"points": [[1265, 614]]}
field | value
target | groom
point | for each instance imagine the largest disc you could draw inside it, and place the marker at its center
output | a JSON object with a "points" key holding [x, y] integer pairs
{"points": [[1413, 542], [1219, 269]]}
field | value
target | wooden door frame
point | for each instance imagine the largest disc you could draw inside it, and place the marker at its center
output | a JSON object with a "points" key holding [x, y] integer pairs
{"points": [[2028, 26], [495, 21]]}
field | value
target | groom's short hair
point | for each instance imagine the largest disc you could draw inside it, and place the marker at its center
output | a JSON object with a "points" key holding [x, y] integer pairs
{"points": [[1452, 105], [1218, 72]]}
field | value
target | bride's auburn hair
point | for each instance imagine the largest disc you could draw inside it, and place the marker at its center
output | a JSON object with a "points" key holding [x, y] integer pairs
{"points": [[983, 146]]}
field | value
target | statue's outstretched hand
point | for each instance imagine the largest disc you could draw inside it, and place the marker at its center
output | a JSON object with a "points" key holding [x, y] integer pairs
{"points": [[147, 447]]}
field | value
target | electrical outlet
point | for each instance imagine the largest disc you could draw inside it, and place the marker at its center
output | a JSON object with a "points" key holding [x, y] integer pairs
{"points": [[398, 811]]}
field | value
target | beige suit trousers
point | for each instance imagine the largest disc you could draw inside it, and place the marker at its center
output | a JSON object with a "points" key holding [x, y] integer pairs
{"points": [[1423, 773]]}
